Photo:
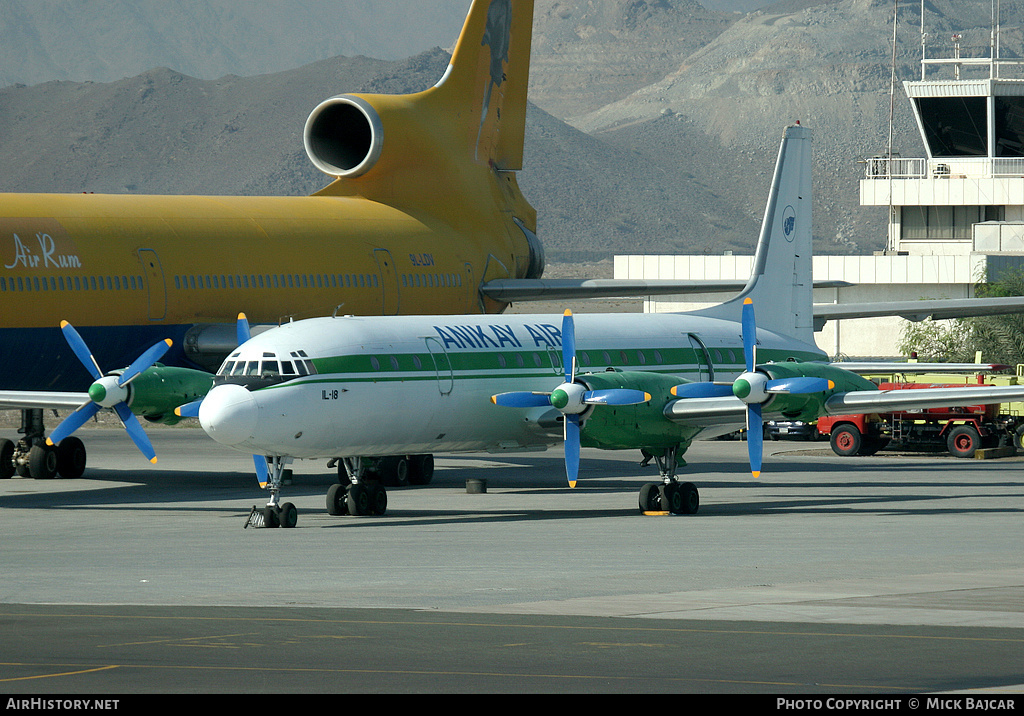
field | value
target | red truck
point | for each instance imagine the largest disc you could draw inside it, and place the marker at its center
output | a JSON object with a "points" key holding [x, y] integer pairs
{"points": [[961, 431]]}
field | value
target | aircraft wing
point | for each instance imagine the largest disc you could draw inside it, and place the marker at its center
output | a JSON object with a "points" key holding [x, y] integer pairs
{"points": [[18, 399], [872, 367], [919, 310], [883, 401], [712, 412], [508, 290]]}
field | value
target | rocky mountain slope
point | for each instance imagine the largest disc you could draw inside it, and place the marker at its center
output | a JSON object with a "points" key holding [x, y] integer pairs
{"points": [[676, 111], [165, 133]]}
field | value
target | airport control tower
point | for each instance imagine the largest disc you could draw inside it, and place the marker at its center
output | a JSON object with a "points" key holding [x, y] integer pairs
{"points": [[965, 198]]}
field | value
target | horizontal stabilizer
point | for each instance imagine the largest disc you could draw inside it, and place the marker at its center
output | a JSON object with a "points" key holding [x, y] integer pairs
{"points": [[507, 290], [918, 310]]}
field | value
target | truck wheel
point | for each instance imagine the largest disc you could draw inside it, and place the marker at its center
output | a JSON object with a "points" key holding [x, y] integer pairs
{"points": [[963, 440], [1018, 438], [845, 441]]}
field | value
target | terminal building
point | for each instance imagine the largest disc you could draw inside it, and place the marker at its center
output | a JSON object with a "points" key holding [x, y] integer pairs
{"points": [[956, 215]]}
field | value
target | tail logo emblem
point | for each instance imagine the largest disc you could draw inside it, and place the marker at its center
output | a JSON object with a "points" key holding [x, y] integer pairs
{"points": [[789, 222]]}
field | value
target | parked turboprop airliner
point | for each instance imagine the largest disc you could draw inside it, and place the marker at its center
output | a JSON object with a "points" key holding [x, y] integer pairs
{"points": [[352, 388]]}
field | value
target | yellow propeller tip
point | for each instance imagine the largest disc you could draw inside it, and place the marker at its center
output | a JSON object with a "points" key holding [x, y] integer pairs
{"points": [[568, 312], [153, 460], [756, 473], [241, 316], [572, 484], [647, 397], [64, 323], [49, 442], [169, 342], [747, 300], [494, 399]]}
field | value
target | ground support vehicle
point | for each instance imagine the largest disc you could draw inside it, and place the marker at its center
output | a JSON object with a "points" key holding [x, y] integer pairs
{"points": [[961, 431]]}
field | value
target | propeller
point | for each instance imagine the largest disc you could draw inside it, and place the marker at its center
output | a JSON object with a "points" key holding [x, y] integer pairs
{"points": [[571, 399], [191, 410], [108, 391], [753, 387]]}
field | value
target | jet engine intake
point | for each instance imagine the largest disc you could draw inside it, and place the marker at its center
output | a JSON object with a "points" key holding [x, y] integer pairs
{"points": [[343, 136]]}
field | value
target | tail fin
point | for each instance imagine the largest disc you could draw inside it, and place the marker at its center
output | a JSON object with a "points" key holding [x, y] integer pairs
{"points": [[781, 283], [488, 74]]}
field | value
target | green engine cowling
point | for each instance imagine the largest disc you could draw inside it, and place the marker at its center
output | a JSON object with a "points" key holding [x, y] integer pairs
{"points": [[810, 406], [627, 427], [159, 389]]}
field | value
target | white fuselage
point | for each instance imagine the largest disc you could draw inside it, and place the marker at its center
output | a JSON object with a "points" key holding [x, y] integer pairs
{"points": [[411, 385]]}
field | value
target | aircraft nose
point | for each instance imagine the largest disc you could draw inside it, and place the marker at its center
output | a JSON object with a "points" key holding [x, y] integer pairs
{"points": [[228, 414]]}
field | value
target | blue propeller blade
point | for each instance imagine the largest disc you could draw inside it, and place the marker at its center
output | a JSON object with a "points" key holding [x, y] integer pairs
{"points": [[135, 431], [749, 328], [144, 361], [569, 346], [799, 385], [80, 350], [262, 471], [755, 438], [189, 410], [73, 422], [572, 448], [702, 390], [615, 396], [242, 333], [521, 399]]}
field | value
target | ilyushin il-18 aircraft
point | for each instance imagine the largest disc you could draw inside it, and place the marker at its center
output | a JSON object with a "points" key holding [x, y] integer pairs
{"points": [[424, 215], [396, 389]]}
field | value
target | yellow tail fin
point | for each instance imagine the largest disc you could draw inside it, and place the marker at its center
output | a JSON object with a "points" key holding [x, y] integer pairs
{"points": [[488, 77]]}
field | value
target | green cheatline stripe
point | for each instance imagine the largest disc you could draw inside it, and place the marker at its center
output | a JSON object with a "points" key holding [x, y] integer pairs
{"points": [[485, 365], [671, 359]]}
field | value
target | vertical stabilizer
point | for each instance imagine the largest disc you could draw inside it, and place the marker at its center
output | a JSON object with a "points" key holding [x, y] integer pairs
{"points": [[781, 284], [488, 77]]}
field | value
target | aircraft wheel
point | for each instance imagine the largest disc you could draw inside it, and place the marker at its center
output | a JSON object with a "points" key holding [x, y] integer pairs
{"points": [[337, 502], [394, 470], [288, 516], [378, 499], [689, 499], [270, 517], [670, 498], [650, 497], [42, 462], [963, 440], [71, 457], [358, 499], [845, 440], [421, 469], [6, 459]]}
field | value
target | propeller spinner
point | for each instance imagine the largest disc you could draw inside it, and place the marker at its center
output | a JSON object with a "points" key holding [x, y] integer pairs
{"points": [[571, 399], [108, 391]]}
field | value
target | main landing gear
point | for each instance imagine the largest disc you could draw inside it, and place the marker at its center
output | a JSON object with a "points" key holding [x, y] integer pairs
{"points": [[362, 481], [670, 495], [30, 456]]}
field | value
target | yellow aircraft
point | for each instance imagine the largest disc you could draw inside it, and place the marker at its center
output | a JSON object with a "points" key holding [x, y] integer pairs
{"points": [[424, 208]]}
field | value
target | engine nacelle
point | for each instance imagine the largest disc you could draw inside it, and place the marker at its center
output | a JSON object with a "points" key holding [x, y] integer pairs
{"points": [[344, 136]]}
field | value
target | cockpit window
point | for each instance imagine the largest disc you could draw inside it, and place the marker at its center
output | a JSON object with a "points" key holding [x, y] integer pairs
{"points": [[268, 369]]}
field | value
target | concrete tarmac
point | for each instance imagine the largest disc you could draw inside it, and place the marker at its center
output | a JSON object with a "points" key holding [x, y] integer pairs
{"points": [[882, 575]]}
